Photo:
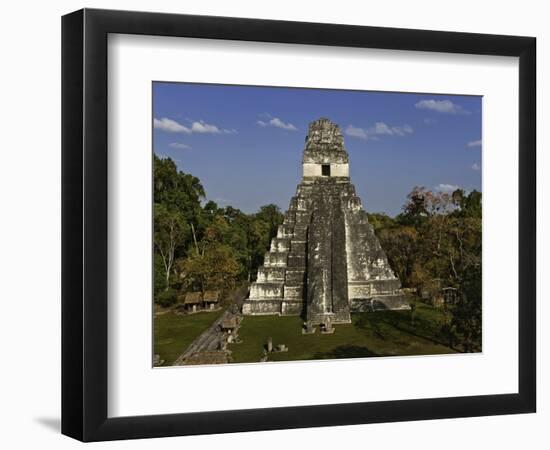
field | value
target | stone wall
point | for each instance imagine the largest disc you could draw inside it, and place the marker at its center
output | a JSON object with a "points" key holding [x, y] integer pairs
{"points": [[327, 292], [314, 170]]}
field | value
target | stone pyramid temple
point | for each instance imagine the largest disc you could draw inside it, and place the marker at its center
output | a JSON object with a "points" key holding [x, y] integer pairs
{"points": [[326, 260]]}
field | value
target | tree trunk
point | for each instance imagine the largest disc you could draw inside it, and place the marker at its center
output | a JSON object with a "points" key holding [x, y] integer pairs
{"points": [[195, 239]]}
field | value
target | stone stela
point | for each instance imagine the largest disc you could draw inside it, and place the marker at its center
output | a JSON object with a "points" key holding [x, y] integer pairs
{"points": [[325, 261]]}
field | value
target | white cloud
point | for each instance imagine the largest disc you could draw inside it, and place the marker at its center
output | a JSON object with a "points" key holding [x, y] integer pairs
{"points": [[441, 106], [378, 129], [447, 188], [276, 122], [200, 127], [179, 145], [476, 167], [170, 125], [356, 132], [474, 143], [203, 127], [402, 131]]}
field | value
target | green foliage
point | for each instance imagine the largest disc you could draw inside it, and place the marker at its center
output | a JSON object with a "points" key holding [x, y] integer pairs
{"points": [[216, 267], [272, 216], [436, 243], [176, 190], [468, 205], [207, 247], [380, 221], [466, 314], [159, 275], [176, 208], [401, 246], [170, 233], [166, 297]]}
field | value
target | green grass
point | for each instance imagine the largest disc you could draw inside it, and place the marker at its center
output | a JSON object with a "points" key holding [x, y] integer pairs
{"points": [[174, 333], [381, 333]]}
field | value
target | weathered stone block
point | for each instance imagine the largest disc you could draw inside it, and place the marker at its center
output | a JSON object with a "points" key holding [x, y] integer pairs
{"points": [[271, 274], [291, 308], [293, 292], [285, 231], [297, 261], [295, 276], [262, 307], [278, 259], [280, 244], [266, 290], [298, 247]]}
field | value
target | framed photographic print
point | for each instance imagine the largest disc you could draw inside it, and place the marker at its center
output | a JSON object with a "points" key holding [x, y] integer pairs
{"points": [[274, 225]]}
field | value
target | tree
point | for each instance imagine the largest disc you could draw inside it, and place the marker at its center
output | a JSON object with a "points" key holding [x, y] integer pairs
{"points": [[270, 214], [204, 246], [380, 221], [259, 234], [170, 232], [214, 268], [436, 243], [175, 189], [466, 314], [415, 210], [468, 205], [177, 210], [211, 209], [400, 244]]}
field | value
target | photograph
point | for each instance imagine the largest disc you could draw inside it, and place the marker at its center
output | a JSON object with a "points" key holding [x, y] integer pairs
{"points": [[295, 224]]}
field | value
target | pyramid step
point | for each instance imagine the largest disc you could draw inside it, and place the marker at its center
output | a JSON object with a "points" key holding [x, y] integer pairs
{"points": [[289, 221], [294, 292], [296, 261], [300, 231], [275, 259], [295, 276], [266, 290], [298, 247], [271, 274], [354, 203], [280, 244], [285, 231], [302, 217], [302, 204]]}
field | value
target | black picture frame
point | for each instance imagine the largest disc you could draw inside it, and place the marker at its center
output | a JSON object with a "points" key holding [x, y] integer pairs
{"points": [[84, 224]]}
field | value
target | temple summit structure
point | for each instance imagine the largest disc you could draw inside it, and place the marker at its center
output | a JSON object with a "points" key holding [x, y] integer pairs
{"points": [[325, 261]]}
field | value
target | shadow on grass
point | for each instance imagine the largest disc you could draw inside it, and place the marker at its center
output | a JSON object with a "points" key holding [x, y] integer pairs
{"points": [[401, 322], [421, 330], [369, 322], [346, 351]]}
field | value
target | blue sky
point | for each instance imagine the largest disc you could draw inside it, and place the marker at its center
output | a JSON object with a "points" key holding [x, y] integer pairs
{"points": [[245, 143]]}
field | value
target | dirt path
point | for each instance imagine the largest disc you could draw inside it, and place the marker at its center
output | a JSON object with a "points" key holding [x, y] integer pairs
{"points": [[211, 339]]}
